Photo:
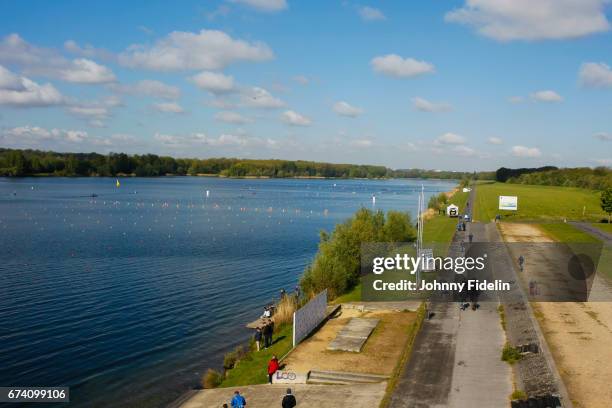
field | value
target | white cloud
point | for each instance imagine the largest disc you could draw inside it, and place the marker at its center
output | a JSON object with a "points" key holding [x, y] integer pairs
{"points": [[206, 50], [195, 140], [371, 14], [506, 20], [301, 79], [395, 66], [34, 135], [260, 98], [148, 87], [88, 51], [345, 109], [523, 151], [48, 62], [295, 119], [449, 139], [464, 150], [231, 117], [84, 71], [495, 140], [546, 96], [516, 99], [603, 162], [595, 75], [19, 91], [264, 5], [214, 82], [361, 143], [424, 105], [604, 137], [94, 111], [168, 107]]}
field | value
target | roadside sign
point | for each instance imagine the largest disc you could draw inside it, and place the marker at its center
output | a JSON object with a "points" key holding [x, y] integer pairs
{"points": [[508, 203]]}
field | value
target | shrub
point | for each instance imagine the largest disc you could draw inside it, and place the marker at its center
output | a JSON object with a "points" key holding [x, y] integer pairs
{"points": [[284, 311], [336, 264], [229, 360], [212, 379], [518, 395], [510, 354]]}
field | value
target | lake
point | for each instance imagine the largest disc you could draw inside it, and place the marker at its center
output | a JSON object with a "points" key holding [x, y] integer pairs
{"points": [[129, 296]]}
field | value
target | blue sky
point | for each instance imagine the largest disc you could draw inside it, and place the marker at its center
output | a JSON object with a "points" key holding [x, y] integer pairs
{"points": [[465, 85]]}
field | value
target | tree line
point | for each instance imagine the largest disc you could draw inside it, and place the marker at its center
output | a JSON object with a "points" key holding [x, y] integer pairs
{"points": [[16, 162], [599, 178]]}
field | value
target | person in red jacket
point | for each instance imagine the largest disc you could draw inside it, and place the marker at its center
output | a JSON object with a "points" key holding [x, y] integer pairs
{"points": [[273, 367]]}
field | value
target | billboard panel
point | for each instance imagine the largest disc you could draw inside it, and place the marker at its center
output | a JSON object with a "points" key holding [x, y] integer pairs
{"points": [[308, 317], [508, 203]]}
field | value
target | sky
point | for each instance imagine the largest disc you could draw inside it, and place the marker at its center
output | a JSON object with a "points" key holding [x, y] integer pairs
{"points": [[451, 85]]}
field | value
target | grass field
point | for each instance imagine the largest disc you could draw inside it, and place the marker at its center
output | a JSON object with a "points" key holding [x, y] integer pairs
{"points": [[563, 232], [604, 227], [538, 203], [253, 369], [440, 228]]}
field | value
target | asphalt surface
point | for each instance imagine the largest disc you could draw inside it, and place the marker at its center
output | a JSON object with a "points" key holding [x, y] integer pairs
{"points": [[455, 360]]}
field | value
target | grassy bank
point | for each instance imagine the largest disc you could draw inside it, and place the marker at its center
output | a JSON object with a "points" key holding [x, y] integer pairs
{"points": [[538, 203], [403, 360], [253, 368], [440, 229], [563, 232], [604, 227]]}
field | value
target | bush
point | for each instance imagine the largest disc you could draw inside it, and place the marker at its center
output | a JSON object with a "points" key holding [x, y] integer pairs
{"points": [[229, 360], [518, 395], [336, 266], [510, 354], [212, 379]]}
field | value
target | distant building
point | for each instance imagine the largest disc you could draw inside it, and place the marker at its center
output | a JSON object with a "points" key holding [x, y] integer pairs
{"points": [[452, 210]]}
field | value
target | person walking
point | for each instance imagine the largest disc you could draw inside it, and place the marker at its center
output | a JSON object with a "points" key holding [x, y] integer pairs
{"points": [[289, 400], [238, 401], [521, 262], [258, 336], [273, 367]]}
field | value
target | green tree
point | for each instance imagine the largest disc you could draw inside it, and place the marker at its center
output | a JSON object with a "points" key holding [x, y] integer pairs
{"points": [[606, 202]]}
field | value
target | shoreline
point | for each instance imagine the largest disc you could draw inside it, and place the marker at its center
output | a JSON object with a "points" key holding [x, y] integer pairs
{"points": [[228, 177]]}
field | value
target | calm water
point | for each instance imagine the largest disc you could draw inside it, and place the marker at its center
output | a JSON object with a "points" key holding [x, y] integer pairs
{"points": [[129, 296]]}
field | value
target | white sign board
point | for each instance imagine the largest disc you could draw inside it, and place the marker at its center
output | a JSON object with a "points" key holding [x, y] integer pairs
{"points": [[427, 262], [308, 317], [508, 203]]}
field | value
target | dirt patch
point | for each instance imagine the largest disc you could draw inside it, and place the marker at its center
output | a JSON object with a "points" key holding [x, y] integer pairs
{"points": [[379, 355], [578, 334]]}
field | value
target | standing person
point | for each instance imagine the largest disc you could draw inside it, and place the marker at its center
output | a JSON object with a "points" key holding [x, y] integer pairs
{"points": [[258, 336], [521, 262], [471, 237], [297, 292], [273, 367], [267, 334], [289, 400], [238, 401]]}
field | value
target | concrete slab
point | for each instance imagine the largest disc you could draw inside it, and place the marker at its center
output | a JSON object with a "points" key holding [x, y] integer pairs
{"points": [[353, 336], [307, 395]]}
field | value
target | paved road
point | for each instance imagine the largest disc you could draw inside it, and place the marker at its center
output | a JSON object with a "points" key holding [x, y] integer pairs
{"points": [[596, 232], [455, 360]]}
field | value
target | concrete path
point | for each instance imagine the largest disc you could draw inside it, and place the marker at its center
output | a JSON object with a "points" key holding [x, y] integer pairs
{"points": [[456, 358], [480, 378], [307, 395], [596, 232]]}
